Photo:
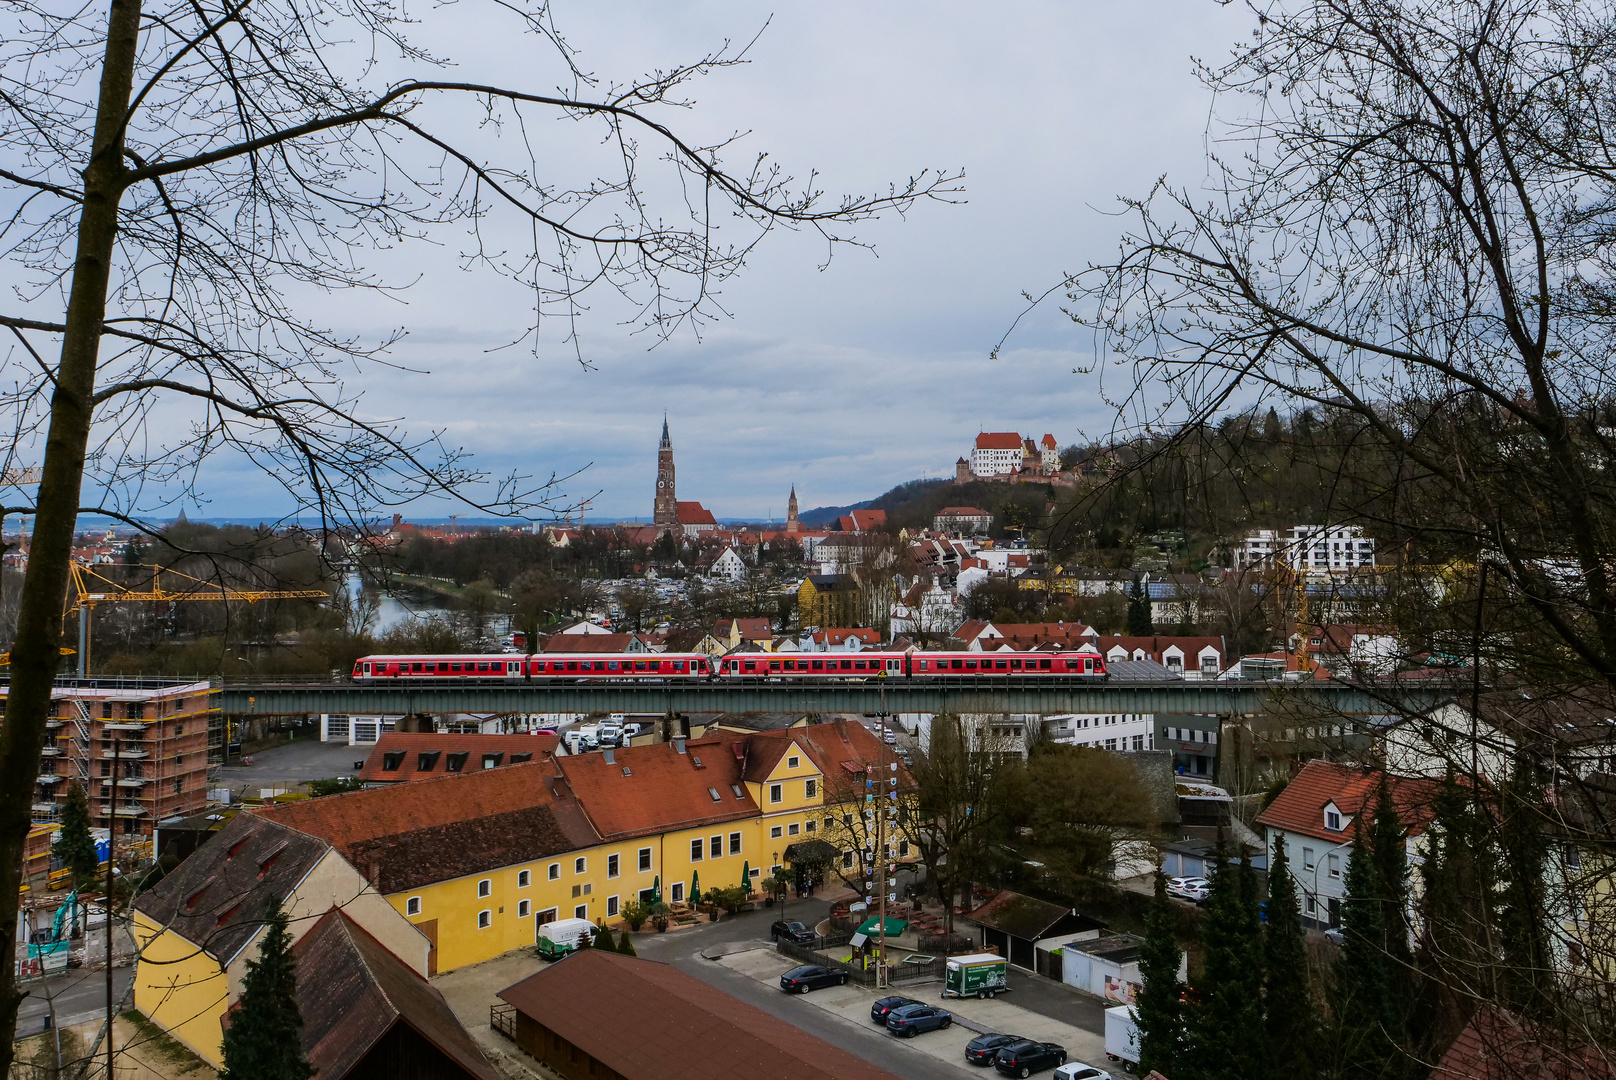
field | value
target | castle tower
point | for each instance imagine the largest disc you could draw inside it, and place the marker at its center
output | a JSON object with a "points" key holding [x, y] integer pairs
{"points": [[962, 472], [792, 524], [665, 510]]}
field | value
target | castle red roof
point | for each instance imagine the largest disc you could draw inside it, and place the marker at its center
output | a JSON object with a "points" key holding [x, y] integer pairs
{"points": [[998, 440]]}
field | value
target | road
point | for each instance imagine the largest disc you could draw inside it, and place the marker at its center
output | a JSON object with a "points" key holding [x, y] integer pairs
{"points": [[78, 996]]}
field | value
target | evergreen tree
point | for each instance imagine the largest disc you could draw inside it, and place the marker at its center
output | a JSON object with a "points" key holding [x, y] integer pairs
{"points": [[1140, 623], [76, 848], [1527, 984], [262, 1042], [604, 939], [1227, 1028], [1160, 1008], [1290, 1022], [625, 945]]}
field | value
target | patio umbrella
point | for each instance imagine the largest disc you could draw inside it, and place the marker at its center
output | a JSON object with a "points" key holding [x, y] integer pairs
{"points": [[746, 877], [695, 887], [656, 889], [871, 926]]}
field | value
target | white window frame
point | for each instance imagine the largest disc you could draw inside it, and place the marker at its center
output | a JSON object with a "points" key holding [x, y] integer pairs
{"points": [[793, 762], [485, 888], [555, 871], [734, 843], [580, 865], [777, 793], [581, 911], [523, 908], [774, 832], [612, 905], [524, 878], [645, 860], [412, 906], [698, 848], [485, 919], [614, 865], [810, 789]]}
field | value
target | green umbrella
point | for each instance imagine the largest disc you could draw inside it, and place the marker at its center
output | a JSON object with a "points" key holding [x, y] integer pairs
{"points": [[871, 926], [656, 889], [695, 887], [746, 877]]}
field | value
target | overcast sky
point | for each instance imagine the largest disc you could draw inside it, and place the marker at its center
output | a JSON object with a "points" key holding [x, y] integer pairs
{"points": [[872, 371]]}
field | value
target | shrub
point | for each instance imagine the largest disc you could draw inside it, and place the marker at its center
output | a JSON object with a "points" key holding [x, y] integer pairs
{"points": [[635, 913]]}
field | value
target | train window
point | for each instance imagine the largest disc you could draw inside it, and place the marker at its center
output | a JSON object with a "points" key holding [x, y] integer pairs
{"points": [[858, 665], [367, 669], [970, 665], [819, 665], [1000, 665], [774, 665], [639, 665], [735, 665], [925, 665], [415, 667], [1043, 665], [751, 665], [513, 667], [957, 665], [847, 665], [572, 665], [482, 666], [1015, 665], [791, 665], [454, 667], [611, 665], [678, 665]]}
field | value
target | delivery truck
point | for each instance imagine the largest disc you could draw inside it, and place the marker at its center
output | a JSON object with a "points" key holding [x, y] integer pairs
{"points": [[981, 975], [558, 938], [1122, 1036]]}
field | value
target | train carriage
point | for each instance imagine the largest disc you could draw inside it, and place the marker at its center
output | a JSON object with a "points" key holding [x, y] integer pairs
{"points": [[508, 667]]}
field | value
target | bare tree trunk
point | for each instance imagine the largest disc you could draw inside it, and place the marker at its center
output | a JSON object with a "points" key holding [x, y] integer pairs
{"points": [[39, 621]]}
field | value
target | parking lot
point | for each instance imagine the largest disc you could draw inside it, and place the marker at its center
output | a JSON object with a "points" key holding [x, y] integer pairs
{"points": [[945, 1048]]}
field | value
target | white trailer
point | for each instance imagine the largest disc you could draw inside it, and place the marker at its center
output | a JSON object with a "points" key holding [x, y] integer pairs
{"points": [[1122, 1036]]}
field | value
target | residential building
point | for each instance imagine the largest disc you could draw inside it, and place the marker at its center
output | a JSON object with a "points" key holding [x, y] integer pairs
{"points": [[402, 756], [996, 453], [1307, 548], [1131, 732], [478, 861], [846, 639], [1344, 649], [1192, 658], [980, 635], [728, 566], [159, 740], [861, 521], [1193, 741], [675, 1027], [752, 632], [594, 643], [199, 926], [928, 611], [1313, 818], [963, 519], [697, 640]]}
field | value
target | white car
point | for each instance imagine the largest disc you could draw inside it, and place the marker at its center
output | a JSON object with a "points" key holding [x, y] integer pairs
{"points": [[1076, 1070], [1189, 888]]}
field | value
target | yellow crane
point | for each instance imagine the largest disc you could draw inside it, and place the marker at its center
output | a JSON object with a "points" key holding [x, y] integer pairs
{"points": [[91, 588]]}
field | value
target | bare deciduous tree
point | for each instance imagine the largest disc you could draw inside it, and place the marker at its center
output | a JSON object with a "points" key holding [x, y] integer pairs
{"points": [[181, 176]]}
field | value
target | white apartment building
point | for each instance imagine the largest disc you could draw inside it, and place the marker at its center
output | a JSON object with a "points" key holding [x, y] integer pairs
{"points": [[1104, 731], [1307, 549]]}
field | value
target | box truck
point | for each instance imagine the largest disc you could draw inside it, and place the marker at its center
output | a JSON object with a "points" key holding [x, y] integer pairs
{"points": [[981, 975], [1122, 1036]]}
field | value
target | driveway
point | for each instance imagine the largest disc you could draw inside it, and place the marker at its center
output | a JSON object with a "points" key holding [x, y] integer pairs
{"points": [[290, 764]]}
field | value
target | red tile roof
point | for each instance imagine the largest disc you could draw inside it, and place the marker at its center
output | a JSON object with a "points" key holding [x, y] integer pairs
{"points": [[1049, 443], [837, 749], [998, 440], [588, 643], [681, 1028], [1300, 807], [693, 513], [1155, 645], [1496, 1045], [962, 511], [651, 789], [438, 748]]}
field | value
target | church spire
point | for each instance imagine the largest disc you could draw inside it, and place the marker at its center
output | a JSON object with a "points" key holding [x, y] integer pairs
{"points": [[667, 443]]}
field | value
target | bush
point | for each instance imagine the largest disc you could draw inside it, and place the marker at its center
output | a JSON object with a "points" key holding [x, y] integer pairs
{"points": [[605, 940], [635, 913], [334, 786], [625, 945]]}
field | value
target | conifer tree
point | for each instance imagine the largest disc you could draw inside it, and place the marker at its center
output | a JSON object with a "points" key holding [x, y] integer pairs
{"points": [[1527, 984], [262, 1042], [1160, 1008], [1140, 623], [625, 945], [1290, 1022], [1227, 1030], [605, 939], [76, 847]]}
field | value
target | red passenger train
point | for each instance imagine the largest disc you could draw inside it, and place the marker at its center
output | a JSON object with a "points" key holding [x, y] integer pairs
{"points": [[634, 667]]}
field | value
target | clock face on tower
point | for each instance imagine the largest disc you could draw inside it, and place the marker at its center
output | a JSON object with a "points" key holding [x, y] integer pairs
{"points": [[661, 483]]}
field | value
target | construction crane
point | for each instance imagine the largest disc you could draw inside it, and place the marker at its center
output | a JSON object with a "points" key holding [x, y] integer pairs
{"points": [[86, 595]]}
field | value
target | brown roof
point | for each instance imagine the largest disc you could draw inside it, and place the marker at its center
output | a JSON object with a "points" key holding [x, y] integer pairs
{"points": [[962, 511], [682, 1029], [1024, 917], [420, 857], [216, 899], [1497, 1045], [1155, 644], [589, 643], [998, 440], [1300, 807], [1031, 635], [693, 513], [352, 991], [418, 755], [651, 789]]}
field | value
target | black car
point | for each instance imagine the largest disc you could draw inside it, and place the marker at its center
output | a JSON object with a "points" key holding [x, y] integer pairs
{"points": [[1027, 1057], [883, 1008], [792, 931], [800, 980], [911, 1020], [984, 1048]]}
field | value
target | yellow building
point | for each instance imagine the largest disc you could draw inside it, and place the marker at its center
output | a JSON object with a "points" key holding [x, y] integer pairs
{"points": [[198, 927], [479, 861]]}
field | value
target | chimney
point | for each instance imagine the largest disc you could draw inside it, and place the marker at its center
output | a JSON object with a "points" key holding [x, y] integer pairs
{"points": [[610, 754], [678, 744]]}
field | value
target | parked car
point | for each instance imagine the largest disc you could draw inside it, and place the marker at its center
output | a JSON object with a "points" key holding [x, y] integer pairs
{"points": [[1027, 1057], [800, 980], [1337, 935], [911, 1020], [884, 1006], [792, 931], [1189, 888], [984, 1048], [1076, 1070]]}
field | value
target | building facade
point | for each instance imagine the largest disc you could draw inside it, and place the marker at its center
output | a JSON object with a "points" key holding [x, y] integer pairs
{"points": [[996, 453], [665, 508], [1307, 549]]}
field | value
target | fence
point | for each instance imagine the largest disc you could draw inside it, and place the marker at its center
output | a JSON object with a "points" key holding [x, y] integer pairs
{"points": [[896, 973], [502, 1018]]}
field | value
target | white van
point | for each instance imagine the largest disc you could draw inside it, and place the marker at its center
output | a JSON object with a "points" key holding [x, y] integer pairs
{"points": [[558, 938]]}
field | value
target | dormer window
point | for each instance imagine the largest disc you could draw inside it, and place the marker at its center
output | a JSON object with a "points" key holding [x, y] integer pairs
{"points": [[1332, 820], [391, 761]]}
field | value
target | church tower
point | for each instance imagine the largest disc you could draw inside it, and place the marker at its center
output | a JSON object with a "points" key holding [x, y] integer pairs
{"points": [[665, 510], [792, 525]]}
